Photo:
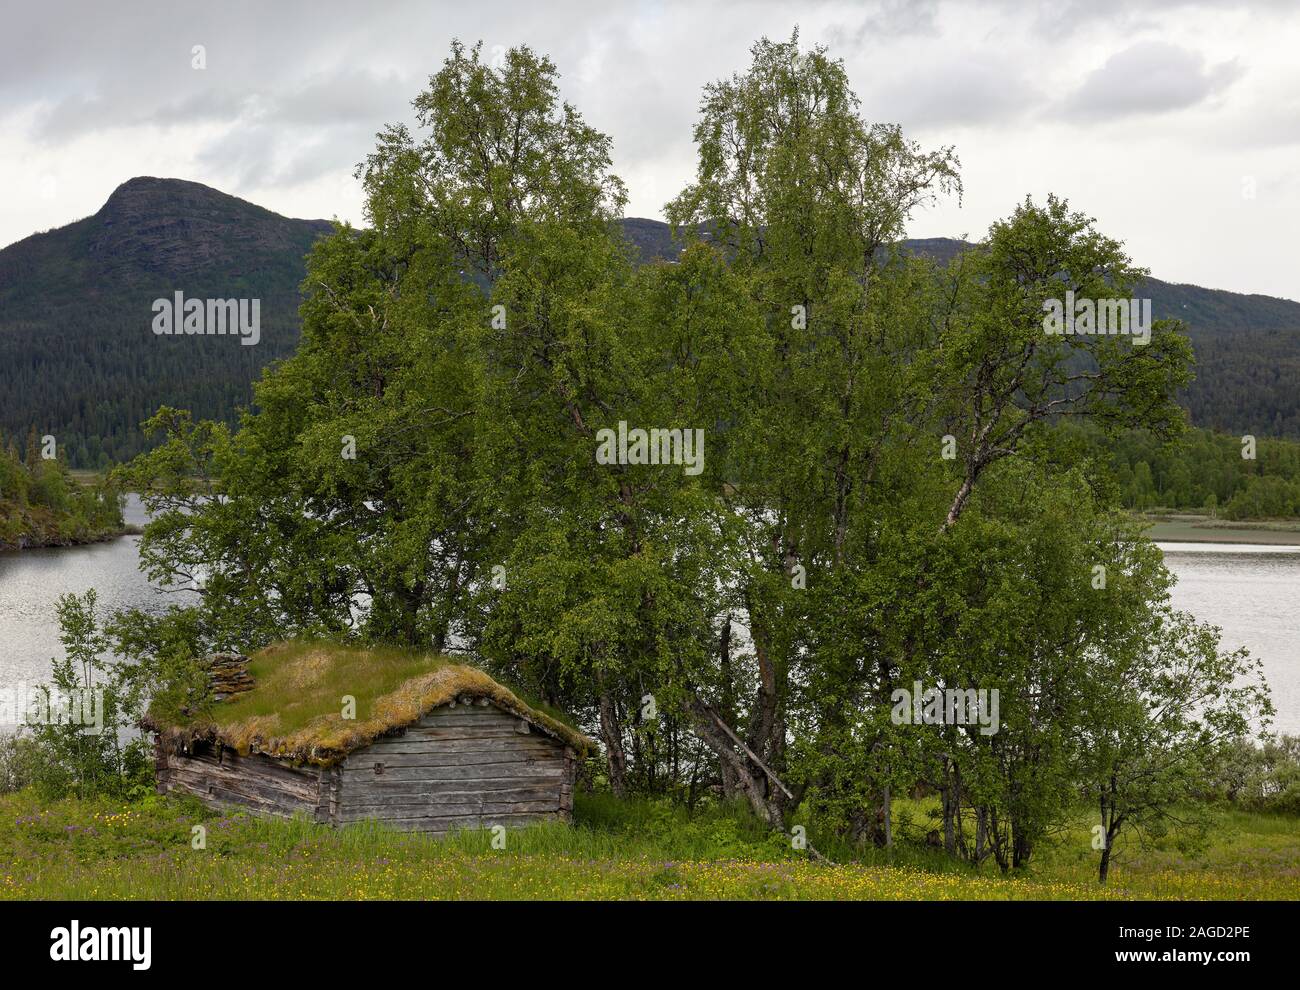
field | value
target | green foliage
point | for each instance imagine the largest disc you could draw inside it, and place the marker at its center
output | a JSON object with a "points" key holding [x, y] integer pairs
{"points": [[163, 650], [1259, 778], [63, 752], [19, 762], [41, 505], [1202, 471]]}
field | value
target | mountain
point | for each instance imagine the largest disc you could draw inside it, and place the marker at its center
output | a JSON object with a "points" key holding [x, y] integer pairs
{"points": [[78, 358]]}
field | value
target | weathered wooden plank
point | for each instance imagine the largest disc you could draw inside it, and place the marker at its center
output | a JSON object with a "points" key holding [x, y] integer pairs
{"points": [[352, 787], [530, 745], [451, 730], [466, 716], [181, 787], [487, 747], [502, 796], [465, 734], [198, 781], [475, 744], [256, 761], [550, 770], [476, 774], [519, 791], [261, 795], [386, 812], [335, 788], [470, 808], [371, 794], [255, 765], [304, 790], [324, 794], [449, 824], [212, 793], [566, 788], [458, 732], [304, 786], [255, 782], [231, 796], [391, 763]]}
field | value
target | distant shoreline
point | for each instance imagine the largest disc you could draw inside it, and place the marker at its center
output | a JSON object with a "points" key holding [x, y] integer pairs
{"points": [[58, 542], [1203, 529]]}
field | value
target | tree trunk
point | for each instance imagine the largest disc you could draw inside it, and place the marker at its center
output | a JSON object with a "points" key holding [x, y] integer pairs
{"points": [[998, 836], [1021, 848], [859, 828], [888, 811], [949, 807], [764, 723], [731, 788], [611, 734], [750, 780]]}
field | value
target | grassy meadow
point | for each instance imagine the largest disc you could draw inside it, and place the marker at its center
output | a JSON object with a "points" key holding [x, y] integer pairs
{"points": [[631, 850]]}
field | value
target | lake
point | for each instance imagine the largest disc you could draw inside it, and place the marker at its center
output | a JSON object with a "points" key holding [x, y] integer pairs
{"points": [[1251, 592]]}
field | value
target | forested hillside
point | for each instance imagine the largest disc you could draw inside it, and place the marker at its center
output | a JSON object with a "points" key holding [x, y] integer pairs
{"points": [[78, 358]]}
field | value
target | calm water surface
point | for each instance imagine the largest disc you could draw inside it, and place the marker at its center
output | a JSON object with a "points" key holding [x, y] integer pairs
{"points": [[31, 581], [1251, 592]]}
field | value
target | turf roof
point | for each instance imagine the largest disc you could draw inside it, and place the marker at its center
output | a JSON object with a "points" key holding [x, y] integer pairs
{"points": [[294, 710]]}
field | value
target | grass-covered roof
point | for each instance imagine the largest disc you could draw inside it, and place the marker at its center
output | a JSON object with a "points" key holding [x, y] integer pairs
{"points": [[294, 709]]}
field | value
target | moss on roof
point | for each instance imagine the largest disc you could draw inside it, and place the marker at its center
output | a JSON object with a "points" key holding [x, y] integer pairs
{"points": [[294, 710]]}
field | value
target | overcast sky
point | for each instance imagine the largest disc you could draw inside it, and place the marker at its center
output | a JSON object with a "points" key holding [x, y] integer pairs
{"points": [[1176, 124]]}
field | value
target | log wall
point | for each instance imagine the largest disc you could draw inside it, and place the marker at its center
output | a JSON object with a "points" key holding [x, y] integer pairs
{"points": [[471, 766], [464, 767], [222, 778]]}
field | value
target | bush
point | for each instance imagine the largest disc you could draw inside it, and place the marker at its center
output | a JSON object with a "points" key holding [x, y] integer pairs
{"points": [[82, 744], [1264, 498], [1260, 778], [17, 762]]}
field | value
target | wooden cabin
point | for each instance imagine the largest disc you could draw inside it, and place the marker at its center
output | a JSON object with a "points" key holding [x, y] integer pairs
{"points": [[444, 748]]}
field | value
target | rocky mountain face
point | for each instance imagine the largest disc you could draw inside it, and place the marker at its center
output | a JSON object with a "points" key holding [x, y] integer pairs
{"points": [[179, 229]]}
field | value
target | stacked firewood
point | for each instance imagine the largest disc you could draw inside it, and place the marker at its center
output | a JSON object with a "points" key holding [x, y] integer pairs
{"points": [[228, 675]]}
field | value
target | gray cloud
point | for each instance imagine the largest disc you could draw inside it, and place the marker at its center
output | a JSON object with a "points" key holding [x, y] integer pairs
{"points": [[1047, 17], [887, 19], [1151, 77], [972, 88], [92, 93], [347, 96]]}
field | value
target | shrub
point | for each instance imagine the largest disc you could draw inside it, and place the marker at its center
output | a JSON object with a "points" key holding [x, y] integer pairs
{"points": [[17, 762], [60, 754], [1260, 778]]}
